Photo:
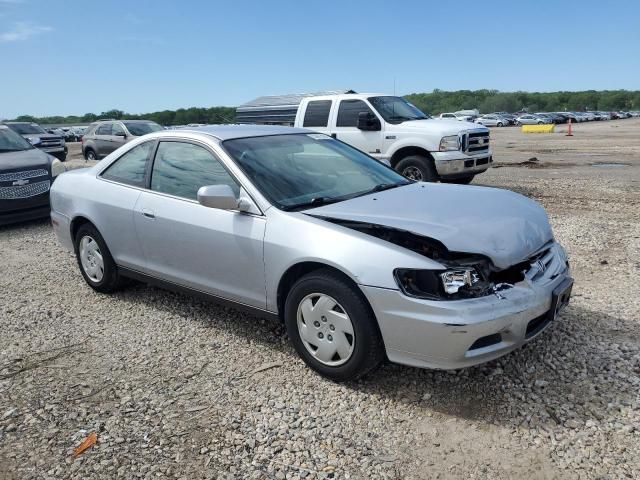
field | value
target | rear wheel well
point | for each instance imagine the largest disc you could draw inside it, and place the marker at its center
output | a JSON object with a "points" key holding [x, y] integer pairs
{"points": [[297, 271], [76, 223], [407, 151]]}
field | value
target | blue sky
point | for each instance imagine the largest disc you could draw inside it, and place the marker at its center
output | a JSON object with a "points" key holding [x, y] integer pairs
{"points": [[79, 56]]}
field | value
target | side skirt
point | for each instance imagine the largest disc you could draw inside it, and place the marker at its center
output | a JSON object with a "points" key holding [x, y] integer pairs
{"points": [[175, 287]]}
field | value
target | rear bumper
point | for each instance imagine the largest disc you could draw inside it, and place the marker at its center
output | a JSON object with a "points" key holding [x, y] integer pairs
{"points": [[62, 228], [458, 164]]}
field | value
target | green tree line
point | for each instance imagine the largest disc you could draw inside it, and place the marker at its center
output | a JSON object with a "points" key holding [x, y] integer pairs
{"points": [[434, 102], [488, 101]]}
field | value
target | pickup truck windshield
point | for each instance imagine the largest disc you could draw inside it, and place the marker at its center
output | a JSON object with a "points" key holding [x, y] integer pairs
{"points": [[396, 109], [301, 171], [26, 128], [10, 141]]}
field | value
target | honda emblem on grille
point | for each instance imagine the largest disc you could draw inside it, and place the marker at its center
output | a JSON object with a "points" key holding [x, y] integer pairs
{"points": [[19, 183], [541, 266]]}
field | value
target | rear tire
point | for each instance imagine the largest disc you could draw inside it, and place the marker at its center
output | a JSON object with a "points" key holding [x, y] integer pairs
{"points": [[95, 261], [89, 154], [418, 168], [317, 301], [500, 124]]}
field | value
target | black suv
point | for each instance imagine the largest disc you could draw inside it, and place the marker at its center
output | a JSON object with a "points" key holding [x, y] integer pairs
{"points": [[38, 137], [105, 136]]}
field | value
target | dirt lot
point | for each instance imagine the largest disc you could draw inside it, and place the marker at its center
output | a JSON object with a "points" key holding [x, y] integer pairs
{"points": [[177, 388]]}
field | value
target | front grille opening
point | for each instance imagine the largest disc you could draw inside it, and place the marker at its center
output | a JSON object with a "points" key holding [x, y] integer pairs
{"points": [[537, 324], [487, 341], [468, 163]]}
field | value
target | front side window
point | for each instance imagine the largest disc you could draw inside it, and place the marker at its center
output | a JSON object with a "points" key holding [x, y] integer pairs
{"points": [[131, 167], [396, 109], [142, 128], [117, 128], [104, 129], [180, 169], [317, 114], [348, 112], [299, 171], [10, 141]]}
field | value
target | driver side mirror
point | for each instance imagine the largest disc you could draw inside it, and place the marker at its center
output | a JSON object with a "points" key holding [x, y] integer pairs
{"points": [[223, 198], [368, 121]]}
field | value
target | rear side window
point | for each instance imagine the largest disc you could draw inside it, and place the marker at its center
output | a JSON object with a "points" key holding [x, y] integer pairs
{"points": [[180, 169], [131, 167], [317, 114], [348, 112], [104, 129]]}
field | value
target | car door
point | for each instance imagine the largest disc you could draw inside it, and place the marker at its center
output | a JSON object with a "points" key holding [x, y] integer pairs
{"points": [[219, 252], [103, 139], [118, 136], [345, 127]]}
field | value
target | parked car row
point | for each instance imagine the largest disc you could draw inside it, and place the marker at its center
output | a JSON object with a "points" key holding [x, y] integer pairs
{"points": [[70, 134], [503, 119]]}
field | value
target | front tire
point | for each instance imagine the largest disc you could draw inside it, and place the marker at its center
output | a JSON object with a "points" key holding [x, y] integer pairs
{"points": [[500, 124], [95, 261], [418, 168], [332, 327]]}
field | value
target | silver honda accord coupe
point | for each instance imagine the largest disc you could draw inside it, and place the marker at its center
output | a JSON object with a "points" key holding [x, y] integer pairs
{"points": [[360, 263]]}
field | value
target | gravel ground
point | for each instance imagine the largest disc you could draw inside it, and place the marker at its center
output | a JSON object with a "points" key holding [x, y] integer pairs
{"points": [[178, 388]]}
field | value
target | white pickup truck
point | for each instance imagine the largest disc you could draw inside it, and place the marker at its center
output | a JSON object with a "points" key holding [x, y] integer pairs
{"points": [[388, 128]]}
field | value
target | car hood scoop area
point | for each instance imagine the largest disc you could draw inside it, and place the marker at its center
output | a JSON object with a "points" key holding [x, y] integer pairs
{"points": [[499, 224]]}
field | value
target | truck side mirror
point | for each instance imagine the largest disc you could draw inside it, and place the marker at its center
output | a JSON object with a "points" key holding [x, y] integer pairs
{"points": [[368, 121]]}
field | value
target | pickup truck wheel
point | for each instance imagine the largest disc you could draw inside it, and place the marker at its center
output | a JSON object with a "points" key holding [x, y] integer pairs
{"points": [[500, 124], [418, 168], [332, 327]]}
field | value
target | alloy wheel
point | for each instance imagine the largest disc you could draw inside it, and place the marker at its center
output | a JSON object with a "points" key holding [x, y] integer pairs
{"points": [[325, 329], [413, 173]]}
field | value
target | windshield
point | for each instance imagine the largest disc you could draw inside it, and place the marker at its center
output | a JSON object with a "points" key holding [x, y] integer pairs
{"points": [[26, 128], [307, 170], [10, 141], [142, 128], [396, 109]]}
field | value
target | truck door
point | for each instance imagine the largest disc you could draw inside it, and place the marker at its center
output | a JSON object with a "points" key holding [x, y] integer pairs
{"points": [[346, 127]]}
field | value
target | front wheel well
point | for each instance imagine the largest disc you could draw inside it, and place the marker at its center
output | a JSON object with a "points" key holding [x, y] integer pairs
{"points": [[408, 151], [296, 272]]}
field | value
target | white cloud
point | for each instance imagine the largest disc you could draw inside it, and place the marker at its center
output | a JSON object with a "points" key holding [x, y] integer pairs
{"points": [[22, 31]]}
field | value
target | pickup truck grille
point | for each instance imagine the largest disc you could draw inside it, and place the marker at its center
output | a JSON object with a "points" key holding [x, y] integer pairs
{"points": [[476, 142], [51, 142], [24, 191]]}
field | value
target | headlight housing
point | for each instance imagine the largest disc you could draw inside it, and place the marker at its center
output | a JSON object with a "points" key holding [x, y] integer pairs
{"points": [[450, 143], [57, 167], [451, 284]]}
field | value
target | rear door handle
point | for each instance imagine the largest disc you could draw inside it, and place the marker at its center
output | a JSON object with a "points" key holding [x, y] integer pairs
{"points": [[148, 213]]}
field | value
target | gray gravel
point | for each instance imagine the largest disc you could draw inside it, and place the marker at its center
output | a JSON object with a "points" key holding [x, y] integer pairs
{"points": [[178, 388]]}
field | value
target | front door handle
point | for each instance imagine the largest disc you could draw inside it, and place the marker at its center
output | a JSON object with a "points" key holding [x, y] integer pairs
{"points": [[148, 213]]}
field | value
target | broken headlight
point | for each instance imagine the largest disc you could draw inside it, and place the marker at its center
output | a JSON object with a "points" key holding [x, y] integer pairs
{"points": [[451, 284]]}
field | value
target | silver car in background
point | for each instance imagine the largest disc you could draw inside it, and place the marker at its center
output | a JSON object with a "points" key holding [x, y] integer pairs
{"points": [[359, 262], [492, 120]]}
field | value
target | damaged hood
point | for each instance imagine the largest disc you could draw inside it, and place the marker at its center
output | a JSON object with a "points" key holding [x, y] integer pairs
{"points": [[503, 225]]}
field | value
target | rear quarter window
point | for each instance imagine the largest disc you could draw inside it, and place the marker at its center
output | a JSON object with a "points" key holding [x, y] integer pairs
{"points": [[317, 114], [131, 168]]}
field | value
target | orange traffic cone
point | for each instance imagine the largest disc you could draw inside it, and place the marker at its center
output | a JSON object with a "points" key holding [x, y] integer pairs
{"points": [[570, 131]]}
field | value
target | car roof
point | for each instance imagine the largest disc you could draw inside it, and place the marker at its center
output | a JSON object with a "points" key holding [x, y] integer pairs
{"points": [[227, 132]]}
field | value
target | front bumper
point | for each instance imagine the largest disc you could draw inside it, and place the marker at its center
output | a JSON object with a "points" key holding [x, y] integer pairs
{"points": [[22, 210], [62, 228], [462, 333], [458, 164]]}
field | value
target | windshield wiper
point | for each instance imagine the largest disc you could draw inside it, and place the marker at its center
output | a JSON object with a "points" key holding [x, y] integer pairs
{"points": [[314, 202], [380, 188]]}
